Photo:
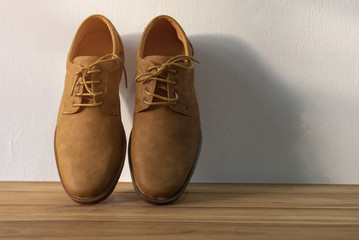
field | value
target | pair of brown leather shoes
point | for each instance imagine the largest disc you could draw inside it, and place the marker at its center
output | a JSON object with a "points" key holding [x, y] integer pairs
{"points": [[90, 142]]}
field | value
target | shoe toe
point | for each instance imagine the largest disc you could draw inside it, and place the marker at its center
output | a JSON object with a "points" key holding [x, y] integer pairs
{"points": [[159, 187], [85, 181]]}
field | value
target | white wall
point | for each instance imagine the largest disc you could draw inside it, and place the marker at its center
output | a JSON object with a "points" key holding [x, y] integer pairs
{"points": [[277, 84]]}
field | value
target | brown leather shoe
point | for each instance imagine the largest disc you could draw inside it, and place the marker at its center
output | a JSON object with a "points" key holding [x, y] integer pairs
{"points": [[90, 142], [165, 139]]}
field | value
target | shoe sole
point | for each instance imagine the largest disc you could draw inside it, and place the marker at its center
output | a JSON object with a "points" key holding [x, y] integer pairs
{"points": [[163, 201], [108, 190]]}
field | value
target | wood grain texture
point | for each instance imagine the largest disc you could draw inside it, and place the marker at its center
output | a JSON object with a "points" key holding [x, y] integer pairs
{"points": [[34, 210]]}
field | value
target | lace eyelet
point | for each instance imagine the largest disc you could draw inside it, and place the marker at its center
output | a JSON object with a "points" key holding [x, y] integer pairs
{"points": [[147, 90], [145, 99]]}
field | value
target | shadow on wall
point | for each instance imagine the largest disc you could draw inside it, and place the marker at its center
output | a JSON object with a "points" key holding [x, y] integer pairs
{"points": [[251, 122], [130, 45]]}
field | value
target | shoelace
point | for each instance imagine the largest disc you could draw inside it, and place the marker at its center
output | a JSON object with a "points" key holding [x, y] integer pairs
{"points": [[85, 71], [158, 75]]}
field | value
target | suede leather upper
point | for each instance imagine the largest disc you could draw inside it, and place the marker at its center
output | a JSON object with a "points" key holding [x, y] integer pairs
{"points": [[90, 140], [165, 138]]}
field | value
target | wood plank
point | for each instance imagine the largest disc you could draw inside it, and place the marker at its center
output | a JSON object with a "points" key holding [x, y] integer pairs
{"points": [[31, 210], [174, 214], [155, 231], [190, 200], [272, 188], [200, 187]]}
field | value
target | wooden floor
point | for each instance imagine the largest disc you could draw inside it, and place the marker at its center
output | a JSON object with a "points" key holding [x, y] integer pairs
{"points": [[206, 211]]}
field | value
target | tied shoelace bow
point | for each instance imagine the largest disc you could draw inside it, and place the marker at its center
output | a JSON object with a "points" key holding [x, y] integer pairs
{"points": [[85, 71], [158, 75]]}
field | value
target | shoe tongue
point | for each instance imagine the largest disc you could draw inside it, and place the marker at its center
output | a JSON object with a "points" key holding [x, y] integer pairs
{"points": [[85, 60], [157, 59]]}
